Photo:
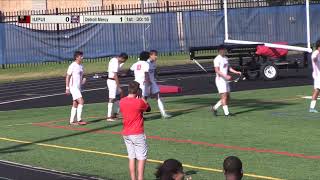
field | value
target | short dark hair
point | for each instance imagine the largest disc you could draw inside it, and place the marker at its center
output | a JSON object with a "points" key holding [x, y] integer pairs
{"points": [[232, 165], [124, 55], [318, 44], [221, 46], [153, 52], [144, 56], [133, 87], [77, 54], [169, 168]]}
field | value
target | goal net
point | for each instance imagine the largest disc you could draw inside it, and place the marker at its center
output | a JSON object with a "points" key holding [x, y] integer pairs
{"points": [[285, 27]]}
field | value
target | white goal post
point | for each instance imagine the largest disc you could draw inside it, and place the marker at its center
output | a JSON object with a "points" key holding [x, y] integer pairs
{"points": [[269, 44]]}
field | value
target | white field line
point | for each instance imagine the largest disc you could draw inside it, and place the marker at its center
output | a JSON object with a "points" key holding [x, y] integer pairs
{"points": [[50, 95]]}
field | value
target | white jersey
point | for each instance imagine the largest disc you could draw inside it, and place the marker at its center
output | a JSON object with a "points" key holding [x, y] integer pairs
{"points": [[113, 67], [152, 70], [75, 70], [223, 64], [140, 68], [316, 64]]}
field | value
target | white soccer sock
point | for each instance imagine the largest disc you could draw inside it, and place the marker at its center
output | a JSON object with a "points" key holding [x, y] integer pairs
{"points": [[79, 112], [73, 114], [116, 108], [225, 110], [161, 107], [313, 104], [217, 105], [109, 112]]}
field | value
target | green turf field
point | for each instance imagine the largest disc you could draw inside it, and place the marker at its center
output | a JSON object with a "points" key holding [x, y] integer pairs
{"points": [[272, 133]]}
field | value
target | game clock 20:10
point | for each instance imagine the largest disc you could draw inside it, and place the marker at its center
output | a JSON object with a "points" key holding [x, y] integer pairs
{"points": [[135, 19]]}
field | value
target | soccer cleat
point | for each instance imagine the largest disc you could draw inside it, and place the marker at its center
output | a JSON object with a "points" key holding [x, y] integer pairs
{"points": [[82, 122], [229, 115], [74, 124], [313, 110], [214, 111], [111, 119], [166, 116], [116, 116]]}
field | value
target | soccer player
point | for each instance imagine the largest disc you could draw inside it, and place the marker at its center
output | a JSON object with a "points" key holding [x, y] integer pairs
{"points": [[221, 67], [141, 73], [132, 108], [232, 168], [74, 81], [153, 87], [315, 58], [114, 85]]}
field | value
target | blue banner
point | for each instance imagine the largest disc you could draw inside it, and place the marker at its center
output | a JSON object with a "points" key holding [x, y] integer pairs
{"points": [[25, 45], [167, 32]]}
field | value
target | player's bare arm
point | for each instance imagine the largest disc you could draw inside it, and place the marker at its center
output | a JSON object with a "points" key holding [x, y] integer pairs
{"points": [[145, 101], [234, 71], [315, 59], [225, 76], [147, 78], [67, 83], [83, 81], [116, 78]]}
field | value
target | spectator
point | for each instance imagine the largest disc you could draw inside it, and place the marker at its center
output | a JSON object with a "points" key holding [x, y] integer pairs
{"points": [[132, 108], [2, 17], [171, 169], [232, 167]]}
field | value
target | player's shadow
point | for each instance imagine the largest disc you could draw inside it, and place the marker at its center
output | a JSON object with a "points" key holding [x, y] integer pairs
{"points": [[14, 150], [248, 104], [258, 105], [22, 147], [26, 146], [156, 115], [97, 120], [191, 172]]}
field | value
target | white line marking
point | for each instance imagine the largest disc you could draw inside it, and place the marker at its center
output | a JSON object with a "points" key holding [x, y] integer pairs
{"points": [[38, 97], [4, 178], [50, 95], [49, 171], [10, 125], [31, 94], [307, 97], [45, 88]]}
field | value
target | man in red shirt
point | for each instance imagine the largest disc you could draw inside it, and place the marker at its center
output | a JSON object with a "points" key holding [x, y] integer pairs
{"points": [[132, 108]]}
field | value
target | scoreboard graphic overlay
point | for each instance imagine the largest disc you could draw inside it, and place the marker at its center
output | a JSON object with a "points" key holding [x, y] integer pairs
{"points": [[86, 19]]}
